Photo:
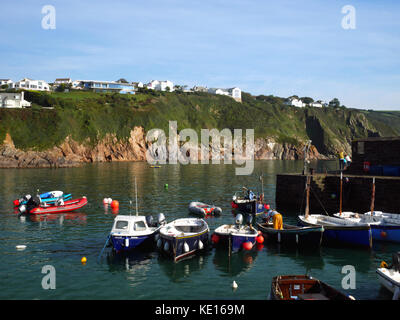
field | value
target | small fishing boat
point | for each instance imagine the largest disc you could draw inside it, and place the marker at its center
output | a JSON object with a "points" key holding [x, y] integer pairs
{"points": [[296, 236], [384, 226], [235, 237], [303, 287], [133, 232], [183, 237], [35, 207], [47, 197], [337, 231], [246, 201], [389, 276], [203, 209]]}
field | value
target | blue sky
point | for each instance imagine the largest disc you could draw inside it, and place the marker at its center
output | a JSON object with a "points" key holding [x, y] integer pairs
{"points": [[264, 47]]}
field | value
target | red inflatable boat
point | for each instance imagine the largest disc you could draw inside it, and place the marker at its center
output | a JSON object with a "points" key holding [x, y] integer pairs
{"points": [[68, 206]]}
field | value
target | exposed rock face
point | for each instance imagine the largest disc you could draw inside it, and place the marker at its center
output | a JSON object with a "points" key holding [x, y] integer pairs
{"points": [[135, 148]]}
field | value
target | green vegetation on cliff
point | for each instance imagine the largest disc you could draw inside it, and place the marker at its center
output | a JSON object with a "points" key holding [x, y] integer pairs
{"points": [[87, 117]]}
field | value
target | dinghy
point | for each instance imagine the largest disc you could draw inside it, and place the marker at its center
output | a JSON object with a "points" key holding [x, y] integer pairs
{"points": [[183, 237], [203, 209], [303, 287], [235, 237], [389, 276], [35, 207], [292, 236], [135, 232], [47, 197]]}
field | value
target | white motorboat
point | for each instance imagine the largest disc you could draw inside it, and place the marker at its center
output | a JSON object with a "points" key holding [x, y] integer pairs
{"points": [[389, 276]]}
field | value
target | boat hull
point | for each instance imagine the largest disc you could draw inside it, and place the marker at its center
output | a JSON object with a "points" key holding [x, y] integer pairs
{"points": [[292, 236], [357, 236], [176, 245], [251, 207], [235, 241], [386, 233], [68, 206], [389, 283], [122, 243]]}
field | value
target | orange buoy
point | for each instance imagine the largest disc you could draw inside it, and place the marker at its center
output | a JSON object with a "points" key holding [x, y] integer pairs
{"points": [[115, 204], [247, 245], [260, 239], [383, 234]]}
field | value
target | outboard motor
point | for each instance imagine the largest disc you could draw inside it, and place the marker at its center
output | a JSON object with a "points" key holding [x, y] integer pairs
{"points": [[161, 219], [150, 221], [396, 261], [217, 210], [22, 209], [239, 219]]}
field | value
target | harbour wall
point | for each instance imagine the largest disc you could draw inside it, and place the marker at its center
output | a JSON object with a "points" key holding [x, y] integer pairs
{"points": [[325, 193]]}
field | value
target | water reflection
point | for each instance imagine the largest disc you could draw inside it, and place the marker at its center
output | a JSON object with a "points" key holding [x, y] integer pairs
{"points": [[184, 268], [61, 219], [236, 263]]}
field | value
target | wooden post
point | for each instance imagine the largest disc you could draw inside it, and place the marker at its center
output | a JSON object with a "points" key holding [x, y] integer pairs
{"points": [[341, 186], [307, 210], [373, 196]]}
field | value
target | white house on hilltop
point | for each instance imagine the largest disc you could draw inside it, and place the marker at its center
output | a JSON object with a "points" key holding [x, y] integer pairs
{"points": [[160, 85], [30, 84], [295, 102], [234, 93], [13, 100], [8, 82]]}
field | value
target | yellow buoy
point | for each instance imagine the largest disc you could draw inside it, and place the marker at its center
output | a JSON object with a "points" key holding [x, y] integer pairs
{"points": [[83, 260]]}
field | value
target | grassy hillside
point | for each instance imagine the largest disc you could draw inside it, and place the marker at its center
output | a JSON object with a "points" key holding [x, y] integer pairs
{"points": [[84, 115]]}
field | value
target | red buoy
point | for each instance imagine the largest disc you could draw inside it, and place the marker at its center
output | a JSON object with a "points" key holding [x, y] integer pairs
{"points": [[383, 234], [266, 206], [247, 245], [115, 204], [260, 239], [215, 238], [16, 203]]}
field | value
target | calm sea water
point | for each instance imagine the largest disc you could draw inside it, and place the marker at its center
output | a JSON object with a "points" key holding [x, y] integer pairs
{"points": [[62, 240]]}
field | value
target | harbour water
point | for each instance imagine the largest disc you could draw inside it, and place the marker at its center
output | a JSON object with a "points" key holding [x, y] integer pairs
{"points": [[62, 240]]}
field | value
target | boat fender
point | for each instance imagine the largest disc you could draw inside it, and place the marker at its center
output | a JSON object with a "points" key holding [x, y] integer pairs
{"points": [[185, 247], [166, 246], [201, 245], [159, 243], [22, 208], [126, 242]]}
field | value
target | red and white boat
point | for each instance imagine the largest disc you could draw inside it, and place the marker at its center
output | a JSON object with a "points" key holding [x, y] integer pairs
{"points": [[68, 206]]}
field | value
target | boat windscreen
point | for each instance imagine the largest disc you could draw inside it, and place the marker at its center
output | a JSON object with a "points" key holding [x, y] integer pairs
{"points": [[121, 225]]}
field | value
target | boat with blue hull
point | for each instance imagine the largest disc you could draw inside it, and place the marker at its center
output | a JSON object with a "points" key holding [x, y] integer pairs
{"points": [[135, 232], [384, 226], [183, 238], [235, 237], [340, 232]]}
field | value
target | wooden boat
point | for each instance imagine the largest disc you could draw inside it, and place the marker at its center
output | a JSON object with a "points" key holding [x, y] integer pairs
{"points": [[384, 226], [337, 231], [34, 206], [235, 237], [203, 209], [296, 236], [389, 276], [135, 232], [303, 287], [183, 237]]}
